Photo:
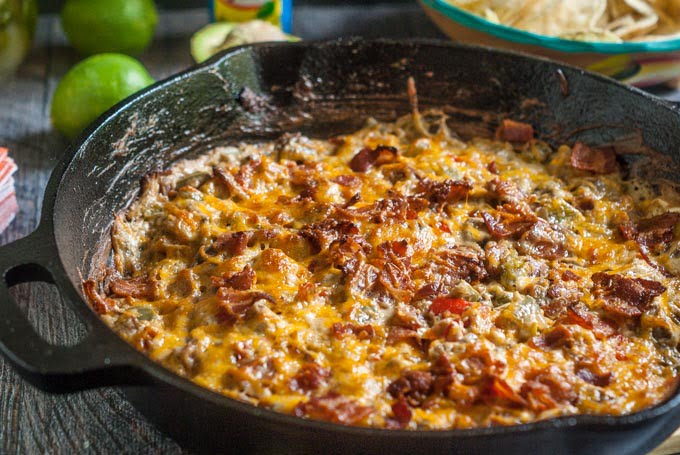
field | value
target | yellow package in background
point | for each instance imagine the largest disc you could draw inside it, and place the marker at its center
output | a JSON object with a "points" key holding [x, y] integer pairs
{"points": [[278, 12]]}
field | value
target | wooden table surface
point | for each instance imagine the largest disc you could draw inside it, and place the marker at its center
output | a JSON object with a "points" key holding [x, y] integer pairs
{"points": [[102, 421]]}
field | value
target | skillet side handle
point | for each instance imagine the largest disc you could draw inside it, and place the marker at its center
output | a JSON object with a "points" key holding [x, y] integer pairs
{"points": [[94, 362]]}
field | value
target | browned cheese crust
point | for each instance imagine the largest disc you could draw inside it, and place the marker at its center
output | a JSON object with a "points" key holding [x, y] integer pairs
{"points": [[397, 279]]}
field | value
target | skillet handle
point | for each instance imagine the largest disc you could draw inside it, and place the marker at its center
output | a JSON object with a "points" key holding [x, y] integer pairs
{"points": [[94, 362]]}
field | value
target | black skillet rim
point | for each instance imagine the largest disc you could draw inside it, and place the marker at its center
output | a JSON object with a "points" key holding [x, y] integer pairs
{"points": [[158, 373]]}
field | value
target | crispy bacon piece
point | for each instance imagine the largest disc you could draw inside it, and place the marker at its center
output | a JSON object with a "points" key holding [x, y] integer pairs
{"points": [[543, 241], [363, 332], [562, 295], [441, 305], [556, 337], [243, 280], [350, 181], [363, 280], [398, 334], [346, 254], [594, 377], [509, 221], [597, 160], [443, 192], [654, 233], [321, 235], [139, 288], [233, 243], [568, 275], [227, 179], [496, 388], [430, 291], [513, 131], [405, 316], [442, 374], [505, 192], [449, 266], [244, 176], [395, 269], [492, 167], [397, 208], [546, 389], [99, 304], [368, 157], [234, 304], [402, 415], [333, 407], [580, 315], [311, 376], [627, 297], [413, 386]]}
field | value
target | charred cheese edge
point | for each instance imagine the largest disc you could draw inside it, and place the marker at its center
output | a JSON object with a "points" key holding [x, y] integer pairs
{"points": [[400, 278]]}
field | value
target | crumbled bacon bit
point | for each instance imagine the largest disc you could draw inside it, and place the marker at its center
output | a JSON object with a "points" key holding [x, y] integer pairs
{"points": [[543, 241], [443, 192], [597, 160], [350, 181], [508, 222], [580, 315], [398, 334], [562, 295], [556, 337], [311, 376], [430, 291], [402, 415], [505, 192], [234, 304], [139, 288], [452, 264], [244, 176], [492, 167], [568, 275], [243, 280], [627, 297], [347, 253], [546, 389], [227, 179], [99, 304], [442, 305], [233, 243], [333, 407], [497, 388], [654, 233], [321, 235], [592, 377], [395, 268], [413, 386], [368, 157], [363, 332], [396, 208], [513, 131]]}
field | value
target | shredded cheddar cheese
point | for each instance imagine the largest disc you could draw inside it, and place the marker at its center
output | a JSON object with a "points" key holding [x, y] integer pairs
{"points": [[397, 279]]}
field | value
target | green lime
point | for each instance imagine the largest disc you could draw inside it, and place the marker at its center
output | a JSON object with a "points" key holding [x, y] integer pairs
{"points": [[213, 38], [17, 26], [93, 86], [95, 26]]}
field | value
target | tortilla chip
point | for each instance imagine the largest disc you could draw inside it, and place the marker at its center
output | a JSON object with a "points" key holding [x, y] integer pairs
{"points": [[585, 20]]}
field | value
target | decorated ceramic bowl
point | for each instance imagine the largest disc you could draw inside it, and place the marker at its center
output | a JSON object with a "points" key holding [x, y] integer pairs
{"points": [[640, 63]]}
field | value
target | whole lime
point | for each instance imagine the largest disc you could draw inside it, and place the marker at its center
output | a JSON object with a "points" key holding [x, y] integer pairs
{"points": [[96, 26], [92, 87]]}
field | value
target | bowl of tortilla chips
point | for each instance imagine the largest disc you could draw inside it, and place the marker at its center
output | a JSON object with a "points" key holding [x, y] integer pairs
{"points": [[634, 41]]}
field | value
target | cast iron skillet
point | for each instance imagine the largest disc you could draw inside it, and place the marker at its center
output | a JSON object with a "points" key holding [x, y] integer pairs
{"points": [[320, 89]]}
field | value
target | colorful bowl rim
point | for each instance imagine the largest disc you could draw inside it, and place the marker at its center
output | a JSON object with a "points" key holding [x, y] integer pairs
{"points": [[559, 44]]}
